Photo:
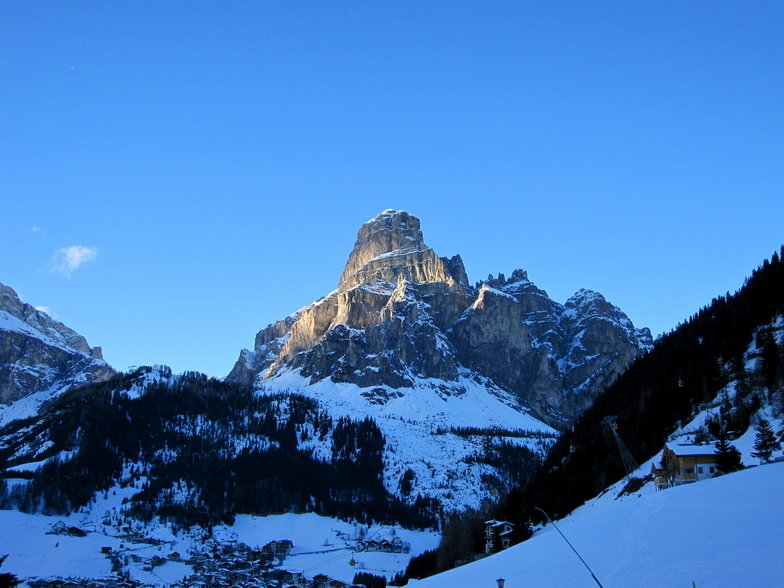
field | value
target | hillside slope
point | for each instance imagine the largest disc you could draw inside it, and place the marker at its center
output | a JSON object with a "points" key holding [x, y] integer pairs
{"points": [[724, 532], [729, 356]]}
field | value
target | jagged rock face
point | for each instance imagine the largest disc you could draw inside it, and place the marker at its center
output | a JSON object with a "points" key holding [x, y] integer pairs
{"points": [[402, 313], [371, 335], [391, 245], [269, 342], [573, 351], [602, 342], [38, 353], [376, 337], [493, 338], [385, 323]]}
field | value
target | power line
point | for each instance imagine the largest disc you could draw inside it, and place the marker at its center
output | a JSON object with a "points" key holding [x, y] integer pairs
{"points": [[572, 546]]}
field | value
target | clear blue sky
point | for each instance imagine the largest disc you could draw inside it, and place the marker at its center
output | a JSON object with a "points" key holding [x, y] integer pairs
{"points": [[176, 175]]}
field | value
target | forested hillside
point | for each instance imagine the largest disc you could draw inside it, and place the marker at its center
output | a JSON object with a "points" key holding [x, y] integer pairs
{"points": [[686, 369], [200, 451]]}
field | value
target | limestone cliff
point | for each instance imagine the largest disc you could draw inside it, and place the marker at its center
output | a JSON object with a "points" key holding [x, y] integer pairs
{"points": [[567, 354], [38, 353], [391, 245], [401, 313]]}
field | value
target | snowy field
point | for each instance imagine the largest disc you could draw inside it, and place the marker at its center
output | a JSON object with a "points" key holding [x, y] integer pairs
{"points": [[723, 532]]}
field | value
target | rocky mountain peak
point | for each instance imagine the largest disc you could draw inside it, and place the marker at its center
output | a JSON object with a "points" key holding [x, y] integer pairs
{"points": [[38, 320], [402, 315], [39, 354], [391, 245]]}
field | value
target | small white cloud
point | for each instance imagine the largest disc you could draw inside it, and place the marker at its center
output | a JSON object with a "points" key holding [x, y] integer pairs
{"points": [[45, 309], [35, 228], [66, 261]]}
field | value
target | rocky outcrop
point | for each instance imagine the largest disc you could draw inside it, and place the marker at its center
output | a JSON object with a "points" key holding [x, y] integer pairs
{"points": [[391, 245], [38, 353], [567, 354], [269, 342], [402, 313]]}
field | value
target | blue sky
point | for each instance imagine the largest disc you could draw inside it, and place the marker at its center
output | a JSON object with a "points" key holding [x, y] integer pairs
{"points": [[176, 175]]}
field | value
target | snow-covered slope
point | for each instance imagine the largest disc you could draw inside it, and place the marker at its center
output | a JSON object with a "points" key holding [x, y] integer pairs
{"points": [[427, 431], [723, 532]]}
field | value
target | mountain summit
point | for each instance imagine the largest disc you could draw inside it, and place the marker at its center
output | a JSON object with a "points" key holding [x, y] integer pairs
{"points": [[402, 314], [41, 356], [390, 246]]}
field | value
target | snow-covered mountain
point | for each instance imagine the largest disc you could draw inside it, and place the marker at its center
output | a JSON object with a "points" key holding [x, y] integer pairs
{"points": [[402, 315], [397, 398], [40, 357], [458, 379]]}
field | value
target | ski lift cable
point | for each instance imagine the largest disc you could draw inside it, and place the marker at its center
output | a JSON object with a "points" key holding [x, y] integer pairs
{"points": [[329, 561]]}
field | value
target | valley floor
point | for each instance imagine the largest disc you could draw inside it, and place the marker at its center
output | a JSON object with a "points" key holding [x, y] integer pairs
{"points": [[321, 546]]}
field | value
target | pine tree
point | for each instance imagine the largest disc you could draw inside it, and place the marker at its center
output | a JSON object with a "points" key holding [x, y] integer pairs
{"points": [[370, 580], [765, 442], [728, 457], [8, 580]]}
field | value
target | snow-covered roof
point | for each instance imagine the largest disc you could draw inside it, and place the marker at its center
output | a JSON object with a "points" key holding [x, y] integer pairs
{"points": [[678, 449]]}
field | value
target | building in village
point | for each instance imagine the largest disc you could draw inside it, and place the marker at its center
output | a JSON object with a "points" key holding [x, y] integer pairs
{"points": [[498, 535], [279, 549], [683, 464], [395, 546]]}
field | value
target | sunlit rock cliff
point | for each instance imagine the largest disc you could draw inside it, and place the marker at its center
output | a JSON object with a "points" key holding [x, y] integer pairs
{"points": [[401, 314]]}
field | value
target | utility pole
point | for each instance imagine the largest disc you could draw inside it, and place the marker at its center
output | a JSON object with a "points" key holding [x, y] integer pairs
{"points": [[629, 463]]}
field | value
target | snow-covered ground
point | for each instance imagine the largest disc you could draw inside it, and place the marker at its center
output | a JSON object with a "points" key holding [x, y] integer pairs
{"points": [[726, 531], [327, 546], [29, 405]]}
